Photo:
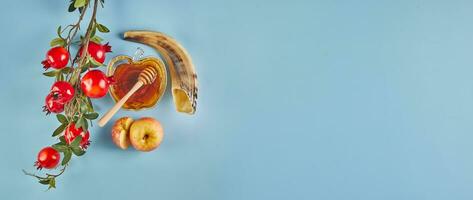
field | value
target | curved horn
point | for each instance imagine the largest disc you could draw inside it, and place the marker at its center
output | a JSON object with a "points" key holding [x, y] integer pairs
{"points": [[183, 77]]}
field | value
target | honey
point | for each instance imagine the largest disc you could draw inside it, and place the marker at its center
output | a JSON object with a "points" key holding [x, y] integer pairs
{"points": [[125, 75]]}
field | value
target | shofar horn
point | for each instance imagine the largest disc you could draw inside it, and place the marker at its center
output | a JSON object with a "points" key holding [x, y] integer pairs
{"points": [[183, 77]]}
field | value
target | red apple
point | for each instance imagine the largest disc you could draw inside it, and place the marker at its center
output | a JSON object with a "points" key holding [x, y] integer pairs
{"points": [[120, 132], [146, 134]]}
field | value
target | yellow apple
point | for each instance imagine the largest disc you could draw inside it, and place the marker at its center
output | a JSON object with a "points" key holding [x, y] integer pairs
{"points": [[146, 134], [120, 132]]}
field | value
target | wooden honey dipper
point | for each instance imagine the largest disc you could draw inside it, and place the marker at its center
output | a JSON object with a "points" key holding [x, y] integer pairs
{"points": [[146, 77]]}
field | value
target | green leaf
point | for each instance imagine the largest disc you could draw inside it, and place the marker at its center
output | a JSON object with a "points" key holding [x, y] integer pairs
{"points": [[67, 157], [76, 141], [61, 143], [59, 77], [59, 130], [91, 116], [59, 32], [66, 70], [84, 69], [62, 139], [83, 107], [52, 183], [78, 151], [91, 107], [51, 73], [92, 33], [57, 42], [60, 147], [94, 27], [85, 126], [61, 118], [79, 3], [79, 122], [96, 39], [102, 28], [44, 181], [71, 7], [93, 61]]}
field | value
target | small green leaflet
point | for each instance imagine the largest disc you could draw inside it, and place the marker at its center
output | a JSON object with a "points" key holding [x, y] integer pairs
{"points": [[96, 39], [91, 107], [84, 107], [62, 139], [77, 151], [57, 42], [84, 69], [86, 125], [91, 116], [79, 3], [60, 147], [59, 77], [92, 33], [102, 28], [44, 181], [61, 118], [67, 157], [66, 70], [71, 7], [81, 122], [76, 141], [52, 183], [51, 73], [93, 61], [59, 130], [59, 32]]}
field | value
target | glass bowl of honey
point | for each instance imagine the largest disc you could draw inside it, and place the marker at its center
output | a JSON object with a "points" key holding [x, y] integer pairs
{"points": [[125, 71]]}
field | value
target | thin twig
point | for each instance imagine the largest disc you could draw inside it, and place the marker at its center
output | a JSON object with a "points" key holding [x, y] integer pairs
{"points": [[72, 33], [85, 45], [47, 175]]}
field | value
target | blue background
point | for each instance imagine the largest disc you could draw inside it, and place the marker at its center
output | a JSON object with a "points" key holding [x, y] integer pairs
{"points": [[298, 100]]}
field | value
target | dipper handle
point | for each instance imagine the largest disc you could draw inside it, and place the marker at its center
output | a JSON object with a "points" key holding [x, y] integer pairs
{"points": [[146, 77], [119, 104]]}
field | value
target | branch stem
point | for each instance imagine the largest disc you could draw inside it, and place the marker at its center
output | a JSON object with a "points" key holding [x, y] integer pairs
{"points": [[72, 108]]}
